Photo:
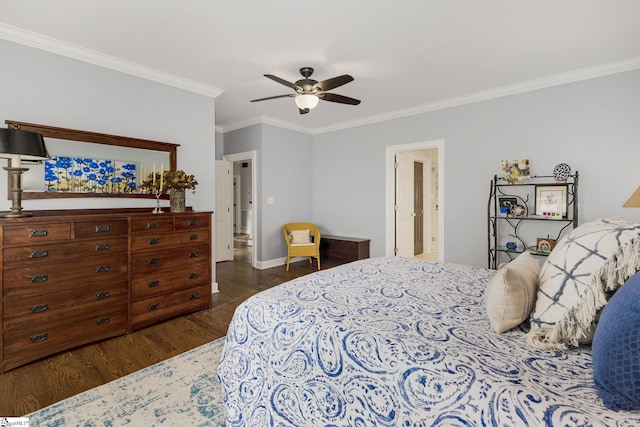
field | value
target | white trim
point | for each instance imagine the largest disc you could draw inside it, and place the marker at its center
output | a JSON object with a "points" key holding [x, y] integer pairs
{"points": [[391, 151], [514, 89], [253, 157], [49, 44]]}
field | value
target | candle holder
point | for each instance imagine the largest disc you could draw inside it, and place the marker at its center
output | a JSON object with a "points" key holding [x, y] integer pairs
{"points": [[157, 193]]}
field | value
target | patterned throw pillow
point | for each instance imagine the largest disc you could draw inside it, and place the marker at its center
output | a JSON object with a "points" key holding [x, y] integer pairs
{"points": [[594, 258], [511, 294], [616, 349]]}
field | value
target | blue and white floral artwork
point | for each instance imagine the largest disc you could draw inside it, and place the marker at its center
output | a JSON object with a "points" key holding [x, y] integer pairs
{"points": [[86, 175]]}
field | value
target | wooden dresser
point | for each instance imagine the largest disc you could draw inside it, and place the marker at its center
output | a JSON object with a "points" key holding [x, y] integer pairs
{"points": [[74, 277]]}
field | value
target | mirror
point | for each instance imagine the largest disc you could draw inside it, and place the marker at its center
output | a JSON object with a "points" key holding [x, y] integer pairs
{"points": [[73, 151]]}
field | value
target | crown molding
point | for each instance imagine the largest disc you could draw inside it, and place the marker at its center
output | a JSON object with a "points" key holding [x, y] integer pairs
{"points": [[586, 73], [49, 44]]}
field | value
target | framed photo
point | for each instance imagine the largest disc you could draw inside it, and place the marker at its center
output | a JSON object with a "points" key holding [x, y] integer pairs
{"points": [[551, 201], [545, 245], [506, 204]]}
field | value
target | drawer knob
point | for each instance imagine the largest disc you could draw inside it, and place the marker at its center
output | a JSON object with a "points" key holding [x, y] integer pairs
{"points": [[193, 237], [38, 233], [102, 321], [153, 307], [102, 268], [39, 308], [103, 228], [193, 275], [38, 338], [153, 284], [193, 296], [193, 255], [153, 225], [39, 254], [192, 222], [103, 247], [39, 278], [153, 241], [102, 295], [152, 261]]}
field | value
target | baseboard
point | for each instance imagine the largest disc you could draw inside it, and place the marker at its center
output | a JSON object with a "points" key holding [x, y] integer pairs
{"points": [[214, 288], [263, 265]]}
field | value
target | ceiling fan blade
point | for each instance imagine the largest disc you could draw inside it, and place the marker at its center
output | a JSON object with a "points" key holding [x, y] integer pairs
{"points": [[333, 83], [281, 81], [273, 97], [338, 98]]}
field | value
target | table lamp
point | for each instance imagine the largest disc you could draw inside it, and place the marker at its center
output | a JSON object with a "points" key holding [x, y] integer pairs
{"points": [[16, 145], [634, 200]]}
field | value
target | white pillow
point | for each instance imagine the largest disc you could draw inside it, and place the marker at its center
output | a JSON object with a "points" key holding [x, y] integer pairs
{"points": [[299, 237], [595, 257], [511, 294]]}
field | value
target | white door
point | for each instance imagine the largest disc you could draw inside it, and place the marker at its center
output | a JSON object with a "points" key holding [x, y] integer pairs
{"points": [[224, 211], [404, 205], [237, 202]]}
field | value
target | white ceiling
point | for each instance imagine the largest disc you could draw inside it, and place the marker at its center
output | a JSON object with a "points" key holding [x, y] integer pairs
{"points": [[406, 56]]}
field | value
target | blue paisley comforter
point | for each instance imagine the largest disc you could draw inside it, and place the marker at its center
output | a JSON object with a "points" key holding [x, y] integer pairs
{"points": [[396, 342]]}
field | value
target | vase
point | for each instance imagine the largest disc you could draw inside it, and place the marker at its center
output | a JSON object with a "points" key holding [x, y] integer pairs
{"points": [[177, 199]]}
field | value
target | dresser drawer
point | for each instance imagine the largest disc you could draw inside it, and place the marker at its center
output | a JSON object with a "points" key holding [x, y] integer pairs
{"points": [[192, 222], [162, 307], [160, 241], [101, 229], [42, 279], [62, 252], [151, 284], [25, 344], [36, 233], [163, 260], [43, 309], [152, 224]]}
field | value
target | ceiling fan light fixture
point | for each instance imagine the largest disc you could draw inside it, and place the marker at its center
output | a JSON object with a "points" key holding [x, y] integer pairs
{"points": [[307, 101]]}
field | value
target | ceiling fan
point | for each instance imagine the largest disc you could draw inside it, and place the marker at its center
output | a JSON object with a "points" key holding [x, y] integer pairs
{"points": [[309, 92]]}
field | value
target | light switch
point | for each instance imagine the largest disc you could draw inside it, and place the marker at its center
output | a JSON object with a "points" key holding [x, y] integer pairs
{"points": [[269, 200]]}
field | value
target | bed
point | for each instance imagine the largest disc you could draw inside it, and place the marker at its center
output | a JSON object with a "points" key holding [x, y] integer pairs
{"points": [[397, 342]]}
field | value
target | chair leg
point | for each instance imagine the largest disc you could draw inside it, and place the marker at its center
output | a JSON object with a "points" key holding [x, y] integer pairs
{"points": [[287, 264], [318, 263]]}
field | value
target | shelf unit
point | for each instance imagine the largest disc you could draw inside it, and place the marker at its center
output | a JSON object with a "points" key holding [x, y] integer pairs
{"points": [[526, 228]]}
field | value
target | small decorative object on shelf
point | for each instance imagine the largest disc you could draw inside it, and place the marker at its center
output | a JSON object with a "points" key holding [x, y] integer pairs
{"points": [[518, 211], [561, 172], [177, 182], [154, 183], [515, 171], [545, 245], [512, 246]]}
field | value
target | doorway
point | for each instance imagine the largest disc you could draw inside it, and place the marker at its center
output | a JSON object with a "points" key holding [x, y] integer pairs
{"points": [[244, 224], [414, 209]]}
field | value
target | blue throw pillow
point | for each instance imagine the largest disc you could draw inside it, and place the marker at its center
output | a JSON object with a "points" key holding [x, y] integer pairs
{"points": [[616, 349]]}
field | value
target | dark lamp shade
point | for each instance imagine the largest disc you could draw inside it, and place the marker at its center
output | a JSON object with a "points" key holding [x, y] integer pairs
{"points": [[634, 200], [28, 145]]}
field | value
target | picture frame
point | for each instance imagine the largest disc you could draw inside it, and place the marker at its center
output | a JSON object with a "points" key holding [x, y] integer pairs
{"points": [[505, 204], [545, 245], [551, 201]]}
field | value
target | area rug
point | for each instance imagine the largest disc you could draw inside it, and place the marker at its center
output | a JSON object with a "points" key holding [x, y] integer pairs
{"points": [[181, 391]]}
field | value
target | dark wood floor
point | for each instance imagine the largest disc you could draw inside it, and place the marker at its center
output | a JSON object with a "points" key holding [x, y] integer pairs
{"points": [[41, 383]]}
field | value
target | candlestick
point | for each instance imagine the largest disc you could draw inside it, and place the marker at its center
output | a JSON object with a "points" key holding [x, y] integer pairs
{"points": [[161, 176], [154, 173]]}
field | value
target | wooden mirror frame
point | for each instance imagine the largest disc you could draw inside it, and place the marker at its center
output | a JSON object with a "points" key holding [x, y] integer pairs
{"points": [[96, 138]]}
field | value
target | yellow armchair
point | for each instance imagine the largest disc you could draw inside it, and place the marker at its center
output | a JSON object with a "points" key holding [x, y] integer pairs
{"points": [[303, 239]]}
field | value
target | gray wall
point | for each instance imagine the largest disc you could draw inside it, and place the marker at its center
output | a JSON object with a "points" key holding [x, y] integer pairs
{"points": [[40, 87], [284, 163], [593, 125]]}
